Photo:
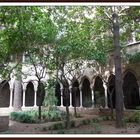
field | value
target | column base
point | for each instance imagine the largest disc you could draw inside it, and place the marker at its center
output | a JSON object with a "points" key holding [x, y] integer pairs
{"points": [[35, 106], [10, 107], [106, 107], [23, 106]]}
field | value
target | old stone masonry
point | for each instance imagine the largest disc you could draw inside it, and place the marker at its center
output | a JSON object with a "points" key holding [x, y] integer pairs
{"points": [[91, 89]]}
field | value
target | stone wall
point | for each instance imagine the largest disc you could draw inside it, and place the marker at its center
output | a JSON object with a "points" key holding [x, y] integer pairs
{"points": [[4, 123]]}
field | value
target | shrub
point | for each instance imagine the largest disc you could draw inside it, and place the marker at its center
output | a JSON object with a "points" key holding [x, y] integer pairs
{"points": [[58, 126], [85, 122], [72, 123], [138, 107], [61, 132], [96, 126], [25, 116], [95, 120], [32, 116], [135, 117], [106, 118], [53, 115], [78, 115]]}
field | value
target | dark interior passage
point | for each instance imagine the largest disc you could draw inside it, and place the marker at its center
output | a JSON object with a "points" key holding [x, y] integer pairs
{"points": [[40, 94], [86, 93], [75, 94], [5, 95], [99, 94], [58, 93], [29, 94], [131, 91], [111, 95], [66, 93]]}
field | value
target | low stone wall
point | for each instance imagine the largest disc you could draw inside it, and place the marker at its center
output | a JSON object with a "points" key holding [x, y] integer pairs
{"points": [[4, 123]]}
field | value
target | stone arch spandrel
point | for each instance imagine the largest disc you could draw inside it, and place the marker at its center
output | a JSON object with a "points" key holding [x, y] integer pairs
{"points": [[83, 78]]}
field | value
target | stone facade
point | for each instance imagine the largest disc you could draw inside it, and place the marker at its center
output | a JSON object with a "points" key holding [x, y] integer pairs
{"points": [[92, 90]]}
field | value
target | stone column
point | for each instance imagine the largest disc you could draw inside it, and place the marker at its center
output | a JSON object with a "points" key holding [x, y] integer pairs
{"points": [[123, 104], [35, 98], [92, 96], [23, 101], [61, 96], [17, 95], [105, 87], [70, 89], [81, 101], [11, 98]]}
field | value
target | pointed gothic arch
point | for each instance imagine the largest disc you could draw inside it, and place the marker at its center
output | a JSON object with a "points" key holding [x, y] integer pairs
{"points": [[5, 95], [86, 93], [75, 94], [131, 91], [99, 93], [111, 90], [29, 94], [58, 93]]}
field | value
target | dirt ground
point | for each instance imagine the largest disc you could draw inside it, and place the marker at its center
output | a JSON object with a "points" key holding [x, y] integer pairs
{"points": [[106, 127]]}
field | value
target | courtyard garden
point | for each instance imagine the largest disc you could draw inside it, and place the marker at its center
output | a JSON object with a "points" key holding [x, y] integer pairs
{"points": [[70, 69], [27, 122]]}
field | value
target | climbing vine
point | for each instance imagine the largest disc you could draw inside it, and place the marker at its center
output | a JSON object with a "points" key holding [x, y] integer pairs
{"points": [[133, 58]]}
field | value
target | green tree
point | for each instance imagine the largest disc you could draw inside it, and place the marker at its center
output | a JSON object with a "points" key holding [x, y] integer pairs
{"points": [[22, 28]]}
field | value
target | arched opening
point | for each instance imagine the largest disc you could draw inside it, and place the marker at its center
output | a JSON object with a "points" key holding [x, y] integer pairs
{"points": [[86, 93], [40, 94], [131, 91], [75, 94], [66, 93], [99, 93], [58, 93], [5, 95], [29, 94], [111, 95]]}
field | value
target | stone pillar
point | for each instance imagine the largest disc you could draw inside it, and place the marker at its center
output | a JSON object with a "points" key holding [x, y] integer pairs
{"points": [[23, 101], [70, 89], [11, 98], [106, 102], [92, 96], [61, 96], [35, 98], [81, 101], [123, 104], [11, 83], [17, 95]]}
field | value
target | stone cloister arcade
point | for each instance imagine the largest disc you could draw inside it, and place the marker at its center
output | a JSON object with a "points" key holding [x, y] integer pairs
{"points": [[82, 93]]}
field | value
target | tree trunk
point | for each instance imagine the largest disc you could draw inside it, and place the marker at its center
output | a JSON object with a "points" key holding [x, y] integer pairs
{"points": [[40, 89], [111, 103], [75, 112], [67, 109], [118, 74], [18, 85], [39, 112]]}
